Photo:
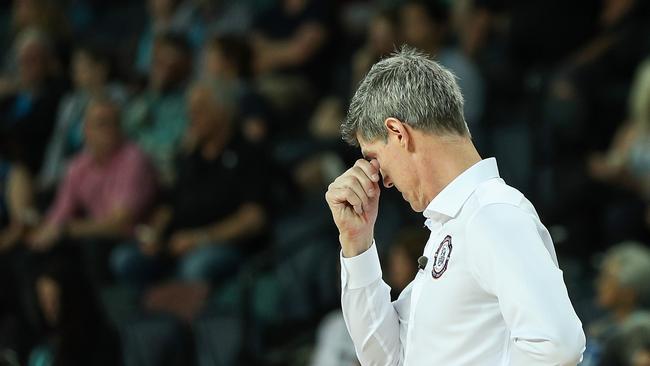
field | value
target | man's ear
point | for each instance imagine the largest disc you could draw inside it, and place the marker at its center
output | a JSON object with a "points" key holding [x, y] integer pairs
{"points": [[399, 131]]}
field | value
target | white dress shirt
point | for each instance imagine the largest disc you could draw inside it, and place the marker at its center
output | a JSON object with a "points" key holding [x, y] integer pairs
{"points": [[491, 293]]}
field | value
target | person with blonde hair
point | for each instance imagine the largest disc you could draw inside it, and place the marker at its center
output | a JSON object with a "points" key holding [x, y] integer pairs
{"points": [[627, 162]]}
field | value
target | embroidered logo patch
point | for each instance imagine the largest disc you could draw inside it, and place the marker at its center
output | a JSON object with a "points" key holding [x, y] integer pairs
{"points": [[441, 259]]}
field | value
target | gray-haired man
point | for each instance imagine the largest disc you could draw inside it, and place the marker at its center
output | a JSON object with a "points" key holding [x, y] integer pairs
{"points": [[491, 292]]}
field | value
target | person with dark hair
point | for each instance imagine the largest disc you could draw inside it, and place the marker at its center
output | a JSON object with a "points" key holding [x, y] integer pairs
{"points": [[74, 329], [157, 117], [91, 74], [27, 115], [288, 41], [381, 38], [228, 60], [425, 25], [163, 17]]}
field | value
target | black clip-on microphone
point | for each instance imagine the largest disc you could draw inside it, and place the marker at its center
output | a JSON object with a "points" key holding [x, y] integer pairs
{"points": [[422, 262]]}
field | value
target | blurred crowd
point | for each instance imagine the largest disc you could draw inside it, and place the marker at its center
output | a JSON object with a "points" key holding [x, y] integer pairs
{"points": [[163, 165]]}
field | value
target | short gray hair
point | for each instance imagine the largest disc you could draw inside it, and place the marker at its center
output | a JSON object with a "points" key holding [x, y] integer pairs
{"points": [[633, 260], [410, 87]]}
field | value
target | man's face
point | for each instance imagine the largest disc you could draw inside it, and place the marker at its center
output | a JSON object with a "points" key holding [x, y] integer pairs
{"points": [[86, 73], [168, 66], [396, 168], [101, 130], [214, 62], [206, 118], [32, 63]]}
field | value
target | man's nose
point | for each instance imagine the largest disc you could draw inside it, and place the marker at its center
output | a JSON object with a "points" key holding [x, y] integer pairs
{"points": [[387, 182]]}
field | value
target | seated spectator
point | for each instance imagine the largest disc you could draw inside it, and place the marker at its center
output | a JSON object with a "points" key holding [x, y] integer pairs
{"points": [[74, 330], [624, 169], [16, 204], [163, 17], [627, 162], [605, 198], [288, 42], [27, 115], [156, 119], [425, 25], [588, 89], [227, 60], [381, 40], [215, 212], [623, 288], [43, 15], [16, 216], [91, 72], [107, 189], [630, 345], [641, 356]]}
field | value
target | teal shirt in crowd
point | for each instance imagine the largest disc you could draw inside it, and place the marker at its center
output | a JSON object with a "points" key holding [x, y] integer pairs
{"points": [[157, 122]]}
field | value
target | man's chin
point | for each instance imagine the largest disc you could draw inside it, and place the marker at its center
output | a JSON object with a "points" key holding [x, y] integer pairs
{"points": [[415, 206]]}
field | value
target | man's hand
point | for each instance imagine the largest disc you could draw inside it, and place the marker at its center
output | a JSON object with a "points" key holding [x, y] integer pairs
{"points": [[183, 241], [148, 239], [44, 238], [353, 199]]}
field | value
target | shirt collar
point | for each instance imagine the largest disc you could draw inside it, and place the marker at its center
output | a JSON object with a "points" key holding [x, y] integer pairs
{"points": [[449, 201]]}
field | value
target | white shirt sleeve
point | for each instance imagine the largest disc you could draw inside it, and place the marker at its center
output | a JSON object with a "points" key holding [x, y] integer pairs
{"points": [[510, 261], [369, 315]]}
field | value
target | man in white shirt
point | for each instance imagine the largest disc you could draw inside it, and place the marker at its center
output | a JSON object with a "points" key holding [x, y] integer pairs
{"points": [[491, 292]]}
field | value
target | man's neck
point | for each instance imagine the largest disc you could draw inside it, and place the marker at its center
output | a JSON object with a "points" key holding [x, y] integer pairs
{"points": [[443, 162], [213, 147]]}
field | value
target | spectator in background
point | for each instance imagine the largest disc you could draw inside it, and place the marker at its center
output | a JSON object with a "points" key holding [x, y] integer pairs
{"points": [[156, 119], [74, 330], [623, 288], [611, 187], [27, 116], [215, 213], [425, 25], [163, 18], [91, 72], [43, 15], [16, 204], [403, 259], [641, 356], [227, 60], [288, 42], [629, 347], [381, 40], [627, 162], [224, 17], [16, 216], [588, 90], [107, 188]]}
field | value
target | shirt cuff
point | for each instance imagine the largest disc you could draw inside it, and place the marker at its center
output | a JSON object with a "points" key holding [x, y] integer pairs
{"points": [[361, 270]]}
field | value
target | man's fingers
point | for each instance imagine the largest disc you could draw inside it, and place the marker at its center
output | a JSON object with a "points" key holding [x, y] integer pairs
{"points": [[370, 170], [369, 187], [354, 184], [347, 196]]}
